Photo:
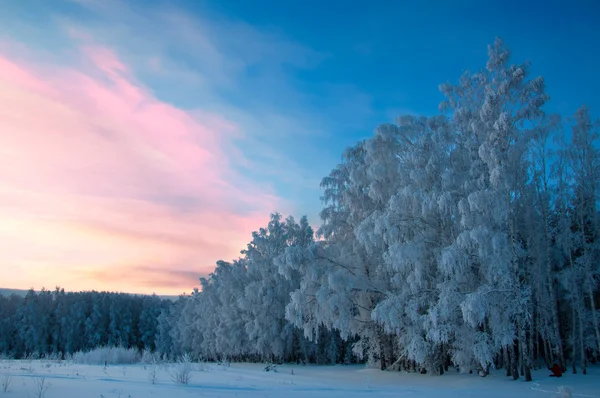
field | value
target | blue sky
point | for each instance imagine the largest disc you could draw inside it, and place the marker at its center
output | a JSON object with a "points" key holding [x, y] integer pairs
{"points": [[393, 54], [382, 58], [336, 69], [251, 102]]}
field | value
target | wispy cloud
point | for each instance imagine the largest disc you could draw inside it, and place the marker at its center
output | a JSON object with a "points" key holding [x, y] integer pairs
{"points": [[140, 145], [144, 277]]}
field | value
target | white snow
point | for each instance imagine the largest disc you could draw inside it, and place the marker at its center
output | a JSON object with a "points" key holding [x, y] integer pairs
{"points": [[71, 380]]}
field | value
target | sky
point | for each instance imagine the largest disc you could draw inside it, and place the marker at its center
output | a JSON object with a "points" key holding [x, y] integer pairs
{"points": [[143, 140]]}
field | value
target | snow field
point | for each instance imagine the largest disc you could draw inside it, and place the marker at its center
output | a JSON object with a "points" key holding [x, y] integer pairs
{"points": [[66, 379]]}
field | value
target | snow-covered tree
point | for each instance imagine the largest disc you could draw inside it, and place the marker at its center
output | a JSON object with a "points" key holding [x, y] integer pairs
{"points": [[342, 281], [239, 313]]}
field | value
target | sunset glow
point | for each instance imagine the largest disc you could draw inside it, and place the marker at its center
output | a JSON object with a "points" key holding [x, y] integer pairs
{"points": [[142, 141], [107, 187]]}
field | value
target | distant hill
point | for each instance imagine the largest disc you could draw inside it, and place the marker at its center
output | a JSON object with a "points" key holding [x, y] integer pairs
{"points": [[22, 292], [9, 292]]}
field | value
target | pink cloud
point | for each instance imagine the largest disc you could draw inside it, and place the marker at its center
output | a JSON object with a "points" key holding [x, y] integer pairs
{"points": [[105, 60], [100, 176]]}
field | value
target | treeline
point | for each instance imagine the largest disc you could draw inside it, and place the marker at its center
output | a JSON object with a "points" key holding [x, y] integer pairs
{"points": [[468, 239], [58, 323], [240, 312]]}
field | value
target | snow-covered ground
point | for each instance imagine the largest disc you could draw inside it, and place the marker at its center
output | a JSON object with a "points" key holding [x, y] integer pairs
{"points": [[70, 380]]}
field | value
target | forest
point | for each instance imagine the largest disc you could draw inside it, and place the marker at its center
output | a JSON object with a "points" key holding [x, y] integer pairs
{"points": [[467, 240], [59, 323]]}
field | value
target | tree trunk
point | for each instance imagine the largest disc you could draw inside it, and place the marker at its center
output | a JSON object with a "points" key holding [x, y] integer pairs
{"points": [[527, 349], [550, 357], [507, 362], [594, 317], [574, 341], [521, 350], [446, 362], [382, 356], [596, 236], [527, 360], [542, 346], [514, 362], [582, 346], [533, 352], [440, 359], [557, 342]]}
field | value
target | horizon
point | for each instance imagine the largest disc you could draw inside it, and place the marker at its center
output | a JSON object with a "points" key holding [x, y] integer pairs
{"points": [[22, 292], [137, 159]]}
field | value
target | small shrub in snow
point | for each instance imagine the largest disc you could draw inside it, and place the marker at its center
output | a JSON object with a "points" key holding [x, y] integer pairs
{"points": [[53, 356], [202, 367], [182, 370], [564, 392], [41, 386], [5, 357], [153, 373], [6, 382], [107, 356], [149, 357], [270, 367]]}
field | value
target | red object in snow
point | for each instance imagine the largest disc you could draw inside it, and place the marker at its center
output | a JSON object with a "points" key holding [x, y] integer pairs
{"points": [[556, 371]]}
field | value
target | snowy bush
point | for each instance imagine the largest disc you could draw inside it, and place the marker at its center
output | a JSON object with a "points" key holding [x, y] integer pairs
{"points": [[270, 367], [107, 355], [53, 356], [153, 373], [32, 356], [202, 366], [6, 382], [149, 357], [564, 392], [182, 370], [41, 386]]}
